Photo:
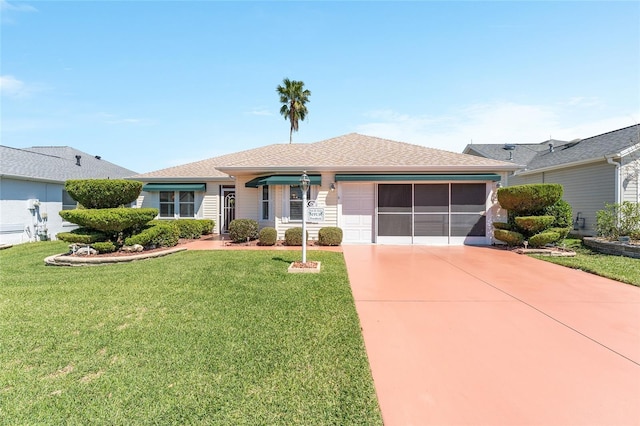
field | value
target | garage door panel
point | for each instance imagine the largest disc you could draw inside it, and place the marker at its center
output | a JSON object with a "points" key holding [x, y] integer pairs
{"points": [[357, 212]]}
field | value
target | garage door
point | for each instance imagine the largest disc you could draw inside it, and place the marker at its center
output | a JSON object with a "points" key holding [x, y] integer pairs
{"points": [[358, 206]]}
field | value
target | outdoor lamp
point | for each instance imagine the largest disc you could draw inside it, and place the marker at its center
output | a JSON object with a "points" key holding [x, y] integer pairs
{"points": [[332, 187], [304, 186]]}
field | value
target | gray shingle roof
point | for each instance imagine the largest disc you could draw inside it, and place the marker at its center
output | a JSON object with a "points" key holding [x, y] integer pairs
{"points": [[538, 156], [56, 163], [348, 152]]}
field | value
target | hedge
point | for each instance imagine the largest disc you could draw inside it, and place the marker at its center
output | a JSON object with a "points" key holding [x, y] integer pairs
{"points": [[159, 235], [529, 198], [330, 236], [110, 220], [103, 193], [268, 236], [293, 236], [82, 236], [242, 230]]}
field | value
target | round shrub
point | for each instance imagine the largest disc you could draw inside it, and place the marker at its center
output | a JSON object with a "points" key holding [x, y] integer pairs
{"points": [[544, 238], [268, 236], [206, 226], [103, 193], [159, 235], [501, 225], [189, 228], [82, 236], [529, 198], [534, 224], [104, 247], [241, 230], [512, 238], [110, 220], [293, 236], [330, 236]]}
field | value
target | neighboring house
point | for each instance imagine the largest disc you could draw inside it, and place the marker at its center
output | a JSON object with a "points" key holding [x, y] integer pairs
{"points": [[594, 171], [32, 189], [376, 190]]}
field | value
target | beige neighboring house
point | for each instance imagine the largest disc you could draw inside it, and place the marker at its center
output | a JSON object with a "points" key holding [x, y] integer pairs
{"points": [[376, 190], [593, 171]]}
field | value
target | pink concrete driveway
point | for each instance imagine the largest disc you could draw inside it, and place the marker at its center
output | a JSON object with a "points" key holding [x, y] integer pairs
{"points": [[479, 336]]}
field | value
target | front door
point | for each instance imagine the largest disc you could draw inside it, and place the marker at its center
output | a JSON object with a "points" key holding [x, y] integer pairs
{"points": [[227, 208]]}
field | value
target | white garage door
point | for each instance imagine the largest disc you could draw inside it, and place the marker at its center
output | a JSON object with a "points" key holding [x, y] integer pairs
{"points": [[358, 206]]}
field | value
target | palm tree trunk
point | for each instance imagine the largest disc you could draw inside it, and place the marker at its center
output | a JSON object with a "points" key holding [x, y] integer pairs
{"points": [[291, 134]]}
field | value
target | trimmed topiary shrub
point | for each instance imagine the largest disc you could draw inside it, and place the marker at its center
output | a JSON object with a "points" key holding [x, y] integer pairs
{"points": [[330, 236], [544, 238], [528, 199], [82, 236], [534, 224], [512, 238], [241, 230], [293, 236], [501, 225], [103, 193], [158, 235], [110, 220], [268, 236], [104, 247]]}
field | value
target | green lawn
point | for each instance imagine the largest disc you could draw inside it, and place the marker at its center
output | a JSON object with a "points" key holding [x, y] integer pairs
{"points": [[624, 269], [209, 337]]}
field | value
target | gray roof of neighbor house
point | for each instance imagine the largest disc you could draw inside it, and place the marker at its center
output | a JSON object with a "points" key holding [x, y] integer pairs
{"points": [[56, 164], [353, 152], [539, 156]]}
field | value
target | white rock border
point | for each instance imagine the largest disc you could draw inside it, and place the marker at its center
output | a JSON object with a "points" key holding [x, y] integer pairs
{"points": [[63, 259]]}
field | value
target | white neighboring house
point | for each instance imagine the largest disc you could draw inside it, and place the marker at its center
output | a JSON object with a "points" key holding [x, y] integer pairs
{"points": [[376, 190], [32, 189], [595, 171]]}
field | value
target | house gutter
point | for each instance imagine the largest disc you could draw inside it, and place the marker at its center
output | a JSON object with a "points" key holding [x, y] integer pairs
{"points": [[618, 192]]}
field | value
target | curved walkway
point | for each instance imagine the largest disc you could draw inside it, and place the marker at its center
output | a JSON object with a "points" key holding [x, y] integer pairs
{"points": [[479, 336]]}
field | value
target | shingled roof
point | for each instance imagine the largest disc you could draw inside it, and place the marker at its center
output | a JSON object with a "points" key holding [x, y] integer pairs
{"points": [[351, 152], [539, 156], [56, 164]]}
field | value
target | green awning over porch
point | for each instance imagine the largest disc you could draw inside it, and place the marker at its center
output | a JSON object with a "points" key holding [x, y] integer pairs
{"points": [[150, 187], [416, 177], [281, 180]]}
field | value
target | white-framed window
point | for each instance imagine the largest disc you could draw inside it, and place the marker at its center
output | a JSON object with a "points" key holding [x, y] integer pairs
{"points": [[182, 202], [295, 202], [68, 203], [265, 203]]}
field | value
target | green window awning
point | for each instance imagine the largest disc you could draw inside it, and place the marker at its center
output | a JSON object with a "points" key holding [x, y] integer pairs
{"points": [[416, 177], [150, 187], [280, 180]]}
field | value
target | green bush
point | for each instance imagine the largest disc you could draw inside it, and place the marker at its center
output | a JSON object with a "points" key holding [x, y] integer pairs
{"points": [[293, 236], [563, 232], [188, 228], [501, 225], [562, 212], [82, 236], [528, 199], [241, 230], [207, 226], [534, 224], [268, 236], [544, 238], [103, 193], [330, 236], [159, 235], [617, 220], [104, 247], [109, 220], [512, 238]]}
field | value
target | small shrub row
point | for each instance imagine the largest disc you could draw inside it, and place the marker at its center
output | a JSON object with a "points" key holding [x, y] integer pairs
{"points": [[190, 228], [243, 230], [268, 236], [158, 235], [330, 236], [82, 236], [293, 236]]}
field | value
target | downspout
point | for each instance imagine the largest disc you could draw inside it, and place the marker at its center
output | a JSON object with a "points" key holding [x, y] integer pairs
{"points": [[618, 199]]}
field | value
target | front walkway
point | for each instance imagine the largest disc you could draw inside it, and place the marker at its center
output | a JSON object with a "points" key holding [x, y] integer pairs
{"points": [[479, 336]]}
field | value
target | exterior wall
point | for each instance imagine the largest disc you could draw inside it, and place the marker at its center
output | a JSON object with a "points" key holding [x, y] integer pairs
{"points": [[630, 175], [587, 188], [20, 224]]}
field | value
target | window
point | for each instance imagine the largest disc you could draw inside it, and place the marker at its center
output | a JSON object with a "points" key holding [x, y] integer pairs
{"points": [[264, 203], [295, 202], [68, 203], [182, 201]]}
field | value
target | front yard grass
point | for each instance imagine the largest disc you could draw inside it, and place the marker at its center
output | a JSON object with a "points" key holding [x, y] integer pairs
{"points": [[207, 337], [620, 268]]}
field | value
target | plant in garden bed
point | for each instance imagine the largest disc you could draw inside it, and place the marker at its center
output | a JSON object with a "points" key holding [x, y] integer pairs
{"points": [[617, 220]]}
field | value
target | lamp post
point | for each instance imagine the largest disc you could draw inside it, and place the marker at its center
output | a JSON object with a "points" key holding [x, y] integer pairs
{"points": [[304, 185]]}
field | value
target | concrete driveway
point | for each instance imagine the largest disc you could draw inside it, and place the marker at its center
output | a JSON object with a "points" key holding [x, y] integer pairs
{"points": [[480, 336]]}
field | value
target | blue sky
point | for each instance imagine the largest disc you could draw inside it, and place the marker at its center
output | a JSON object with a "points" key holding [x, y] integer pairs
{"points": [[150, 84]]}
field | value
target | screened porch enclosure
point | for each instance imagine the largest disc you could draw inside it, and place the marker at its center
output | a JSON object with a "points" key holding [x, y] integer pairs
{"points": [[426, 213]]}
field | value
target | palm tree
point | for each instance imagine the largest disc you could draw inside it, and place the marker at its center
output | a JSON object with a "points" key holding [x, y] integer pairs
{"points": [[293, 98]]}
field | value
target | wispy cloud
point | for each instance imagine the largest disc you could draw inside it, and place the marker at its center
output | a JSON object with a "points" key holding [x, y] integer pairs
{"points": [[260, 112], [8, 9], [115, 119], [496, 122], [14, 88]]}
